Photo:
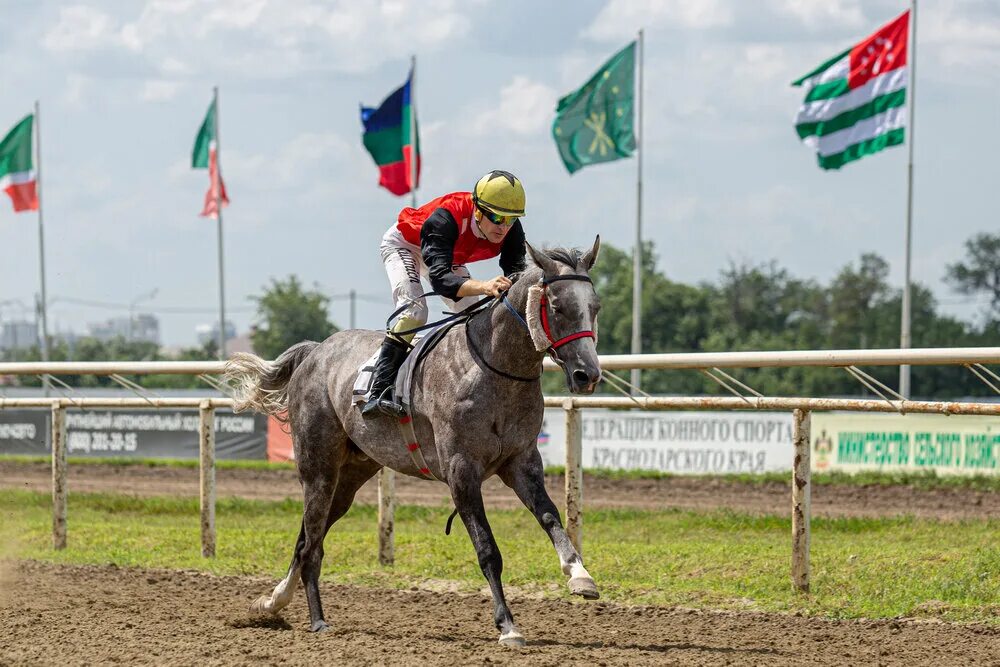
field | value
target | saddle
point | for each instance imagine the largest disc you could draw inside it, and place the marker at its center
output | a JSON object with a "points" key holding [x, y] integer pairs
{"points": [[422, 345]]}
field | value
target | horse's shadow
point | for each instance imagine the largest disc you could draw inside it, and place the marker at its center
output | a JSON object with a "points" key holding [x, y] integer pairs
{"points": [[260, 622]]}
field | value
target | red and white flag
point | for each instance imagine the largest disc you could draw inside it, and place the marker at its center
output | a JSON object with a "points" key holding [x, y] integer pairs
{"points": [[206, 156]]}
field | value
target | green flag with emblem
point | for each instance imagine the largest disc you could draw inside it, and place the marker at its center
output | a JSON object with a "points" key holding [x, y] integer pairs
{"points": [[594, 124]]}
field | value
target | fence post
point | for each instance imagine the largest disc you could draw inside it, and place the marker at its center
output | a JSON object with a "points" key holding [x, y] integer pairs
{"points": [[58, 475], [386, 516], [801, 492], [574, 475], [206, 446]]}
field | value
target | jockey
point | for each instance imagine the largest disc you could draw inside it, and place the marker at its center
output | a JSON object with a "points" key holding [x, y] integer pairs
{"points": [[436, 241]]}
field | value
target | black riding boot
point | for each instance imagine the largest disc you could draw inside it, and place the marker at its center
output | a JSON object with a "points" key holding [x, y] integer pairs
{"points": [[383, 399]]}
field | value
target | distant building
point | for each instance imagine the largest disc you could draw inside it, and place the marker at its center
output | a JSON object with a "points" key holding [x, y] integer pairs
{"points": [[18, 335], [143, 328], [210, 332]]}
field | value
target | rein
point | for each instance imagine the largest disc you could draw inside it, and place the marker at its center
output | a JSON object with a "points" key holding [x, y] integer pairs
{"points": [[543, 308]]}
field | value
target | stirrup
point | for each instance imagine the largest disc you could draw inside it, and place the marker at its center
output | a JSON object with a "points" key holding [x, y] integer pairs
{"points": [[388, 405]]}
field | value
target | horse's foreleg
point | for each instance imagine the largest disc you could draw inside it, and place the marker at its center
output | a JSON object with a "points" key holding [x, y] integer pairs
{"points": [[465, 481], [282, 593], [525, 475]]}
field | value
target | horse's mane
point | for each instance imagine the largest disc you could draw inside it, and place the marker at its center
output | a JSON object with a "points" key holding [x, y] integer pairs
{"points": [[568, 256]]}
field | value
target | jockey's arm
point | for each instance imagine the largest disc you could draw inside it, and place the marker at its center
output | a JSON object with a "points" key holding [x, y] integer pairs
{"points": [[513, 252], [437, 246]]}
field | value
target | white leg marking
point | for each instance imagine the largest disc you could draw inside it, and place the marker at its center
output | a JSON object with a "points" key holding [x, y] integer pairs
{"points": [[279, 597], [580, 582], [513, 638]]}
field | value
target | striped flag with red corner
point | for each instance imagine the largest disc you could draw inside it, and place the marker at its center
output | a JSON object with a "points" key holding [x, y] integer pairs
{"points": [[855, 102], [206, 156], [17, 171]]}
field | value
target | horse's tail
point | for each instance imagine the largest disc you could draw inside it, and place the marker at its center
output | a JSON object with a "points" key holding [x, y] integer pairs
{"points": [[263, 385]]}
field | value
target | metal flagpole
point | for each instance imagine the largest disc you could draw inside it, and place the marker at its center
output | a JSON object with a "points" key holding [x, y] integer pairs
{"points": [[217, 186], [413, 130], [44, 305], [637, 251], [911, 93]]}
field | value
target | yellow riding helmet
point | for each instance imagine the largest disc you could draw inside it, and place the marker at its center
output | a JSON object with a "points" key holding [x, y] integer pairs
{"points": [[500, 192]]}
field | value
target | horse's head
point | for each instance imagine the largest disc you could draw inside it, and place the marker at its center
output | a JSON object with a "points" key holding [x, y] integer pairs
{"points": [[562, 313]]}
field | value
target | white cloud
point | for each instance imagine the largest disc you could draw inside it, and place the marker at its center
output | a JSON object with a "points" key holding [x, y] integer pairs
{"points": [[823, 13], [620, 19], [294, 163], [75, 91], [281, 36], [950, 36], [159, 90], [80, 28], [525, 107]]}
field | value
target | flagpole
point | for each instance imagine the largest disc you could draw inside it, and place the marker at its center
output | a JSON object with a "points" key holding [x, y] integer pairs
{"points": [[637, 251], [904, 336], [217, 186], [44, 305], [413, 130]]}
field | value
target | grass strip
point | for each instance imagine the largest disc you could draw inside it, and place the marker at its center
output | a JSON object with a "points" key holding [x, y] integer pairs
{"points": [[861, 568], [920, 480]]}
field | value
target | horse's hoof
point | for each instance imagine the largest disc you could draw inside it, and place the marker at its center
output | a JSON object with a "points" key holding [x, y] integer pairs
{"points": [[319, 626], [261, 605], [513, 639], [585, 587]]}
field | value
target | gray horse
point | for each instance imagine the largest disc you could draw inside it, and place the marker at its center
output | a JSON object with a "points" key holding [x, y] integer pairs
{"points": [[476, 411]]}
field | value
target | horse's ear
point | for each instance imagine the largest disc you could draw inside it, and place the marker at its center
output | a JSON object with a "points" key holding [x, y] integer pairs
{"points": [[591, 255], [542, 261]]}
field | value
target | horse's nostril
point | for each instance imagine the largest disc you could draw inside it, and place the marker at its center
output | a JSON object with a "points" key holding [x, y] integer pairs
{"points": [[581, 377]]}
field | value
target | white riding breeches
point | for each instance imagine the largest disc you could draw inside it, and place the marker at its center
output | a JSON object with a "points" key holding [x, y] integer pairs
{"points": [[405, 268]]}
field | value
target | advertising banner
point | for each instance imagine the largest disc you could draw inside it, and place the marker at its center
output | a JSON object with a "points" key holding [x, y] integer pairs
{"points": [[135, 433], [684, 443], [965, 445]]}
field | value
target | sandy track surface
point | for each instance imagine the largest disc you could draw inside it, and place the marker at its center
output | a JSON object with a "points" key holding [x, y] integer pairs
{"points": [[66, 615]]}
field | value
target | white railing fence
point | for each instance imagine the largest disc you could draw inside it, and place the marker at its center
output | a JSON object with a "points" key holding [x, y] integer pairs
{"points": [[801, 408]]}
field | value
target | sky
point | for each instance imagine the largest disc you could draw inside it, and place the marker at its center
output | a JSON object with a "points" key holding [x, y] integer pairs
{"points": [[124, 86]]}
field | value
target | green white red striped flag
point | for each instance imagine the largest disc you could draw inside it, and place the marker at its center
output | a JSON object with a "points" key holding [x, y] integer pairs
{"points": [[17, 170], [855, 102], [206, 156]]}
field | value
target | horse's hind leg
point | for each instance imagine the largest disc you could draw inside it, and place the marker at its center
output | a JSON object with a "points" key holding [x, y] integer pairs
{"points": [[352, 475], [321, 447], [465, 481], [525, 474]]}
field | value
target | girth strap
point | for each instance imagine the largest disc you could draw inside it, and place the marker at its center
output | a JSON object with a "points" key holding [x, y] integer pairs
{"points": [[412, 446]]}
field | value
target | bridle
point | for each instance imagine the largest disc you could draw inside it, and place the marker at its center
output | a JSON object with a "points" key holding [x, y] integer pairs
{"points": [[554, 344]]}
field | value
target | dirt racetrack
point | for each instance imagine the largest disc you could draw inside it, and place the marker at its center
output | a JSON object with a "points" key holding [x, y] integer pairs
{"points": [[62, 615], [66, 615]]}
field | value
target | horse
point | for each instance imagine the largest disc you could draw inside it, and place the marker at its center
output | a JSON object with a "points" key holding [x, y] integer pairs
{"points": [[476, 411]]}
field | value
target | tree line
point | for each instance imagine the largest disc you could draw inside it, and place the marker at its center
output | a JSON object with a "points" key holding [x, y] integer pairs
{"points": [[749, 307]]}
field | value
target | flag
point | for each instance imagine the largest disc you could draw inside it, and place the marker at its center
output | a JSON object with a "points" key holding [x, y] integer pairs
{"points": [[17, 171], [594, 124], [206, 156], [387, 137], [855, 102]]}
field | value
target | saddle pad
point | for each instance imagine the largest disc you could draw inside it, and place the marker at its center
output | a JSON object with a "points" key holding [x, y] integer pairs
{"points": [[363, 383], [404, 381]]}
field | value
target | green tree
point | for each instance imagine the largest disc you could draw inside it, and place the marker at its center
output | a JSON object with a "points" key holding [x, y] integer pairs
{"points": [[287, 315], [980, 272]]}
